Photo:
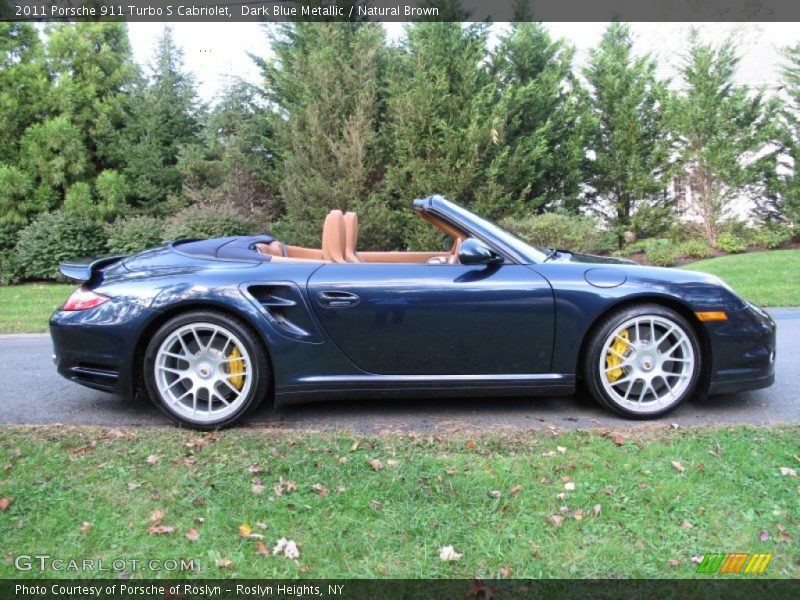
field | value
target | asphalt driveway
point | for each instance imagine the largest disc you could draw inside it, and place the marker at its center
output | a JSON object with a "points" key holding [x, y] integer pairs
{"points": [[34, 393]]}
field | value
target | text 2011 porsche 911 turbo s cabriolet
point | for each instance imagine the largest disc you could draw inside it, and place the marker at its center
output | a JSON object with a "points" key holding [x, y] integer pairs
{"points": [[210, 328]]}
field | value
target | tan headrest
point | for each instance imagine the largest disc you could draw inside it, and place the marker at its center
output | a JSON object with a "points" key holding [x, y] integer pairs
{"points": [[333, 237], [351, 236]]}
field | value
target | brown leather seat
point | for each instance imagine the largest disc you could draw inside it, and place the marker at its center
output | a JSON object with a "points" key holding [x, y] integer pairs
{"points": [[351, 237], [333, 237]]}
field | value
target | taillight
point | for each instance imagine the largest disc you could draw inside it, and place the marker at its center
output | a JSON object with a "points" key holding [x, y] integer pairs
{"points": [[83, 299]]}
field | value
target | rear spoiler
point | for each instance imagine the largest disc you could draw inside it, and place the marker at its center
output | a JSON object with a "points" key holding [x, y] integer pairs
{"points": [[83, 269]]}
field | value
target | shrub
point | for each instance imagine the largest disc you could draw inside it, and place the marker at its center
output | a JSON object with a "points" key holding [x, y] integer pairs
{"points": [[770, 236], [731, 243], [572, 232], [205, 221], [660, 252], [53, 238], [694, 249], [134, 234]]}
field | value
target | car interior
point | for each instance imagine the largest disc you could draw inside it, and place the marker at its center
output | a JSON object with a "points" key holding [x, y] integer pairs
{"points": [[340, 241]]}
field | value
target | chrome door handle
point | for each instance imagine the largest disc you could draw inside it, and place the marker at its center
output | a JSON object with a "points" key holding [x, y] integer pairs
{"points": [[336, 299]]}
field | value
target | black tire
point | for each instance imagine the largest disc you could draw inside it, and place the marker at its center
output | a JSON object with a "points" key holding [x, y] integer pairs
{"points": [[260, 367], [592, 371]]}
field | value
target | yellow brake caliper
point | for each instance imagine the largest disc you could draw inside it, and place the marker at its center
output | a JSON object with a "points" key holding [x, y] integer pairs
{"points": [[236, 368], [614, 356]]}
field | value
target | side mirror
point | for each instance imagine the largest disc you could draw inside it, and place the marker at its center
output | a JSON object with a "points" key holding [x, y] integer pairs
{"points": [[475, 252]]}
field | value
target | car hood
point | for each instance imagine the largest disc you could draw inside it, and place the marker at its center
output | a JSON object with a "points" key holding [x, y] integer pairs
{"points": [[577, 257]]}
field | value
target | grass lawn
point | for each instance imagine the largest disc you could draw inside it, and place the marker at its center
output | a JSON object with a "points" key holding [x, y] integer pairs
{"points": [[525, 504], [26, 308], [766, 278]]}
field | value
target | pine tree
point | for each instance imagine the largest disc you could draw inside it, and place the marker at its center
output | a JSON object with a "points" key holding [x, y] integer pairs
{"points": [[234, 161], [540, 123], [25, 95], [630, 141], [782, 199], [94, 71], [723, 130], [165, 118], [438, 113], [326, 83]]}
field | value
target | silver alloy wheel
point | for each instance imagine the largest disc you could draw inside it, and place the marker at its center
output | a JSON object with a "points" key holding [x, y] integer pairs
{"points": [[647, 363], [203, 372]]}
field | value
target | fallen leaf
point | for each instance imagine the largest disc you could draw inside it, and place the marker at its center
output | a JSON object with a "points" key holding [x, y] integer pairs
{"points": [[200, 520], [157, 515], [354, 446], [290, 486], [193, 535], [448, 553], [596, 510], [304, 569], [608, 490], [160, 529], [321, 490], [678, 466], [577, 515], [549, 454], [786, 471], [763, 536], [377, 465], [261, 525], [686, 524], [291, 550], [561, 449], [279, 546], [505, 571], [569, 486], [133, 485], [697, 559], [4, 502], [245, 530], [262, 549], [469, 445], [85, 527], [257, 488], [376, 505], [619, 440], [515, 490], [674, 426], [495, 493], [556, 520], [674, 562], [224, 563], [254, 468], [153, 459], [391, 463], [561, 495]]}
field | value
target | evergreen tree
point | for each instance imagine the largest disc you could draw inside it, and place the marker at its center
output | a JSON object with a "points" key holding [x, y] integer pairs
{"points": [[234, 162], [723, 131], [94, 71], [782, 199], [630, 141], [438, 113], [325, 82], [165, 117], [25, 94], [540, 123]]}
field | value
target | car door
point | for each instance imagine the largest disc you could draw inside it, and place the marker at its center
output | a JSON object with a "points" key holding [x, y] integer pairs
{"points": [[424, 319]]}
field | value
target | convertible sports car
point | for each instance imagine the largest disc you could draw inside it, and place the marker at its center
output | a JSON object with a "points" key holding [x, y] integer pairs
{"points": [[210, 328]]}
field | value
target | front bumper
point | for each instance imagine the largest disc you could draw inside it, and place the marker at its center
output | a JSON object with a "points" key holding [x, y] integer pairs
{"points": [[743, 351]]}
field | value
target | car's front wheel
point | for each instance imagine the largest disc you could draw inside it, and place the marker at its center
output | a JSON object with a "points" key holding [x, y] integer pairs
{"points": [[205, 369], [643, 361]]}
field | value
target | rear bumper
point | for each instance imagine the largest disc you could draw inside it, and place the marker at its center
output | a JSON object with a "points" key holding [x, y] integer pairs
{"points": [[96, 347]]}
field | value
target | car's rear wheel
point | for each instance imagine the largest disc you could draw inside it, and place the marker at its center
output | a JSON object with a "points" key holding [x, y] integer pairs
{"points": [[205, 369], [643, 361]]}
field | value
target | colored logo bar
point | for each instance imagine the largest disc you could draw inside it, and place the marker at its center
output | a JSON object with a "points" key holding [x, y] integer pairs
{"points": [[735, 562]]}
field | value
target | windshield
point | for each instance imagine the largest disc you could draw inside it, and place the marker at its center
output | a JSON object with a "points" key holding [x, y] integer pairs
{"points": [[534, 254]]}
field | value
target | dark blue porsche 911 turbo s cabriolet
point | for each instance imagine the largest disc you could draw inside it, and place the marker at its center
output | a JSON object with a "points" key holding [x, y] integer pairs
{"points": [[210, 328]]}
